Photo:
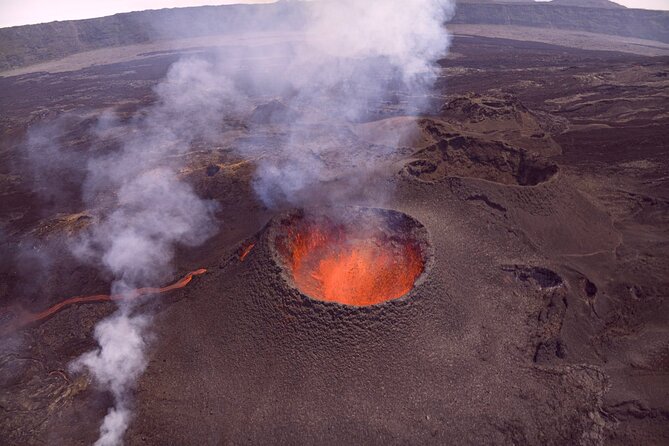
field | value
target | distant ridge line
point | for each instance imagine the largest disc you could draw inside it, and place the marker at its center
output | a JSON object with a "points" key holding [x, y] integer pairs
{"points": [[30, 44]]}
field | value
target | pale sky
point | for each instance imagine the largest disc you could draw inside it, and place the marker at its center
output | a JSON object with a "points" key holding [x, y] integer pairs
{"points": [[23, 12]]}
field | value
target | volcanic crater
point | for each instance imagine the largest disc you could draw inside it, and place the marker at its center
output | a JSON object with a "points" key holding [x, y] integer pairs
{"points": [[352, 256], [532, 307], [471, 157]]}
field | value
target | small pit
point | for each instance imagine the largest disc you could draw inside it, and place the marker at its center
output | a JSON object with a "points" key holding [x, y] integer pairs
{"points": [[356, 257]]}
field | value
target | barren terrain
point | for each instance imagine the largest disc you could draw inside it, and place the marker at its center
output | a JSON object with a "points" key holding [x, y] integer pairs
{"points": [[541, 175]]}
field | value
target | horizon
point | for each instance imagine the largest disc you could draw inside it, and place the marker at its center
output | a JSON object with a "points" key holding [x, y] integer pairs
{"points": [[34, 12]]}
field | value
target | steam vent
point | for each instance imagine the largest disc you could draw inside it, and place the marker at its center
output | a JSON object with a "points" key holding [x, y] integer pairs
{"points": [[335, 222], [359, 257]]}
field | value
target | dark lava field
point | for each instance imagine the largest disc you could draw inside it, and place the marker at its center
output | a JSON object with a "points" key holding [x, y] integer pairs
{"points": [[539, 176]]}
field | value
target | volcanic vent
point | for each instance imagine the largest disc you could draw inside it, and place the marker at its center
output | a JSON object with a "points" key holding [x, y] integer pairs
{"points": [[355, 257]]}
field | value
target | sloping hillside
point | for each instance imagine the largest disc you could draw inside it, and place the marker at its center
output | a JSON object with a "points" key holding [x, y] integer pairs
{"points": [[26, 45], [643, 24]]}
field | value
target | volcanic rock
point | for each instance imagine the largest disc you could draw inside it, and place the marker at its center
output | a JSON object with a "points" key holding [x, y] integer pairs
{"points": [[537, 189]]}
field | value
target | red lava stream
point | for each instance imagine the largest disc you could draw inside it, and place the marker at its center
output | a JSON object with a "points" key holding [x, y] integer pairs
{"points": [[246, 250], [23, 318]]}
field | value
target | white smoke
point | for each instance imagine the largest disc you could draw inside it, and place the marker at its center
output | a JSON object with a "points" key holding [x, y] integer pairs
{"points": [[409, 33], [354, 56], [152, 212], [116, 365], [136, 241]]}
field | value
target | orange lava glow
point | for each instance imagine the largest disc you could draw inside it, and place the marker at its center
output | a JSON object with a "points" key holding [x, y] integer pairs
{"points": [[22, 318], [245, 251], [332, 264]]}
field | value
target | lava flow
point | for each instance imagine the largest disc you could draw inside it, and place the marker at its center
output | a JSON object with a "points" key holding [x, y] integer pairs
{"points": [[246, 249], [22, 318], [337, 263]]}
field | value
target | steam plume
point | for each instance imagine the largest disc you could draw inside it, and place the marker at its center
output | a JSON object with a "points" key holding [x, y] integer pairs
{"points": [[353, 59], [356, 58], [153, 211], [116, 365]]}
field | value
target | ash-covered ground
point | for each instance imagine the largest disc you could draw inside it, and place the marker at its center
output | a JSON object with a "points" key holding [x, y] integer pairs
{"points": [[541, 175]]}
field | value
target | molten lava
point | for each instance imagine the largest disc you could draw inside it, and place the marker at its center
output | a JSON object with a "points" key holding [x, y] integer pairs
{"points": [[338, 263], [246, 250], [22, 318]]}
